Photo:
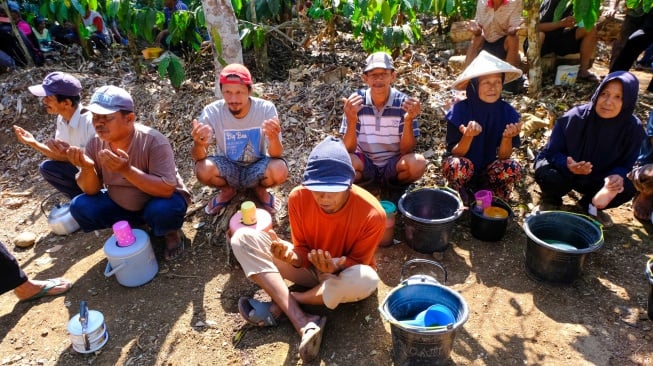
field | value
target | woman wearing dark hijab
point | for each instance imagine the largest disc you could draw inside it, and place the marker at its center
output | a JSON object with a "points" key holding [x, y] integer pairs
{"points": [[592, 148], [482, 130]]}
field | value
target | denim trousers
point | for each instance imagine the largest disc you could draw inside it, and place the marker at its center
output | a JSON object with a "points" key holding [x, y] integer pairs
{"points": [[99, 211], [61, 175]]}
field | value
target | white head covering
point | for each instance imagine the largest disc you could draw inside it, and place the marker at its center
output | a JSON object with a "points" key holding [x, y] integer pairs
{"points": [[486, 64]]}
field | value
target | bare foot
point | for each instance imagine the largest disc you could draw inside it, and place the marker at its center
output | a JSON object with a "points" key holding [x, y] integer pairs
{"points": [[174, 245], [643, 206], [603, 197]]}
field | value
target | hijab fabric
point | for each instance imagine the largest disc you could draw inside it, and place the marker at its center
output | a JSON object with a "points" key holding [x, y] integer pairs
{"points": [[610, 144], [493, 118]]}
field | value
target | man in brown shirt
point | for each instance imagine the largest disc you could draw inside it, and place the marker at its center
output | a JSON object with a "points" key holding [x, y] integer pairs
{"points": [[128, 172]]}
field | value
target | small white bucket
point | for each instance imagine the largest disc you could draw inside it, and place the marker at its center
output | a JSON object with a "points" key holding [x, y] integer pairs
{"points": [[96, 332], [566, 74]]}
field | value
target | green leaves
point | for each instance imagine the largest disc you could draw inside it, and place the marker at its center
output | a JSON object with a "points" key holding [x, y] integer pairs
{"points": [[382, 24], [171, 66]]}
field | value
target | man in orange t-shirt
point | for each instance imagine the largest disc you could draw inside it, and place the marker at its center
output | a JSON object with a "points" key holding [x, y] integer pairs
{"points": [[335, 227]]}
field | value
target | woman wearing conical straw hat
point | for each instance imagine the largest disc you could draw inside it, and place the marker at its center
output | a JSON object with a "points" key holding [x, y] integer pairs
{"points": [[482, 131]]}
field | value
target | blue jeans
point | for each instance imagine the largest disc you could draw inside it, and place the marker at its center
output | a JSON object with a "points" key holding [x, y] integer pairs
{"points": [[162, 215], [61, 175]]}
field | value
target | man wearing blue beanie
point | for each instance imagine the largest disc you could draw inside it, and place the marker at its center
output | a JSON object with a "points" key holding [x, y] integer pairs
{"points": [[335, 228]]}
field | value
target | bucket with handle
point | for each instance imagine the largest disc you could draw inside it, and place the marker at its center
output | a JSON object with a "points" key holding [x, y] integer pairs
{"points": [[416, 339], [429, 217], [557, 244], [490, 227], [133, 264]]}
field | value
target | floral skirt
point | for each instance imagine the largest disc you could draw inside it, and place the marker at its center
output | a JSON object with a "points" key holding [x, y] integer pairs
{"points": [[499, 177]]}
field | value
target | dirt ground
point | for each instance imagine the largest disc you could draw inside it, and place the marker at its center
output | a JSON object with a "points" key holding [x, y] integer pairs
{"points": [[187, 315]]}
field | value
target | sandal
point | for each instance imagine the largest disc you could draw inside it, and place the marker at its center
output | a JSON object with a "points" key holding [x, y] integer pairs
{"points": [[257, 312], [216, 207], [311, 340], [60, 285], [272, 205]]}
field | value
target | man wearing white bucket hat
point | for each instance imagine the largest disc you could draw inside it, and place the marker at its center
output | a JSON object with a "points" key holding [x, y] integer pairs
{"points": [[482, 131], [335, 228], [128, 172], [380, 128]]}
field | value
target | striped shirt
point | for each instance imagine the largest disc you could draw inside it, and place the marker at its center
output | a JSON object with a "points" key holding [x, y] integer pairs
{"points": [[379, 132]]}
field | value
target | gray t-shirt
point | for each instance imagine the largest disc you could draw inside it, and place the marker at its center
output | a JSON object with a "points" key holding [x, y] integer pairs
{"points": [[240, 140], [151, 152]]}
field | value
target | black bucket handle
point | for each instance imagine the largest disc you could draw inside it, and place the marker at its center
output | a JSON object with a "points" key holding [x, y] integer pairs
{"points": [[47, 199], [427, 261]]}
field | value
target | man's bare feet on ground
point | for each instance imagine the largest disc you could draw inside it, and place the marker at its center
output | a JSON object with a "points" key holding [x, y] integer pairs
{"points": [[643, 206]]}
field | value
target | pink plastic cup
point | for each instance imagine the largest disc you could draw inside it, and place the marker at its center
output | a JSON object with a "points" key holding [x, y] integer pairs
{"points": [[124, 234], [483, 199]]}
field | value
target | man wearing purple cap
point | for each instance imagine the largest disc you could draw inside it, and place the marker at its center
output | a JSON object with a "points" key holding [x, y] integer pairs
{"points": [[335, 228], [61, 97], [247, 136], [128, 172], [380, 129]]}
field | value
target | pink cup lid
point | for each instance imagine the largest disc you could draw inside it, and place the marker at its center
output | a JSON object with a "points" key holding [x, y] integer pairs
{"points": [[124, 234]]}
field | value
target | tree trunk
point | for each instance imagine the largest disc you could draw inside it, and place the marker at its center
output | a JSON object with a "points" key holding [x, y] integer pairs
{"points": [[534, 46], [222, 26]]}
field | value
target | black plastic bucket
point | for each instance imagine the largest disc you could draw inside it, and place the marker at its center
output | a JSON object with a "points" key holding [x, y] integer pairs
{"points": [[416, 345], [490, 228], [557, 244], [429, 216], [649, 275]]}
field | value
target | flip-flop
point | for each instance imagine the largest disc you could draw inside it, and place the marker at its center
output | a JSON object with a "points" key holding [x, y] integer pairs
{"points": [[216, 207], [272, 205], [261, 317], [50, 284], [311, 340], [178, 249]]}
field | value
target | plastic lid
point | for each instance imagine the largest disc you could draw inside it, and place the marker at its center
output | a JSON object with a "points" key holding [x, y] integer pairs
{"points": [[113, 250], [389, 207]]}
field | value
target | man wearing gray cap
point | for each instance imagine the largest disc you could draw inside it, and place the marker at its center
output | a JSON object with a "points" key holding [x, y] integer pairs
{"points": [[335, 228], [380, 129], [61, 97], [128, 172]]}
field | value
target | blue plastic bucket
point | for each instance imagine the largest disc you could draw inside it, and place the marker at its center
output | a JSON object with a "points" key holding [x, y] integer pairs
{"points": [[557, 244], [429, 217], [419, 345]]}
